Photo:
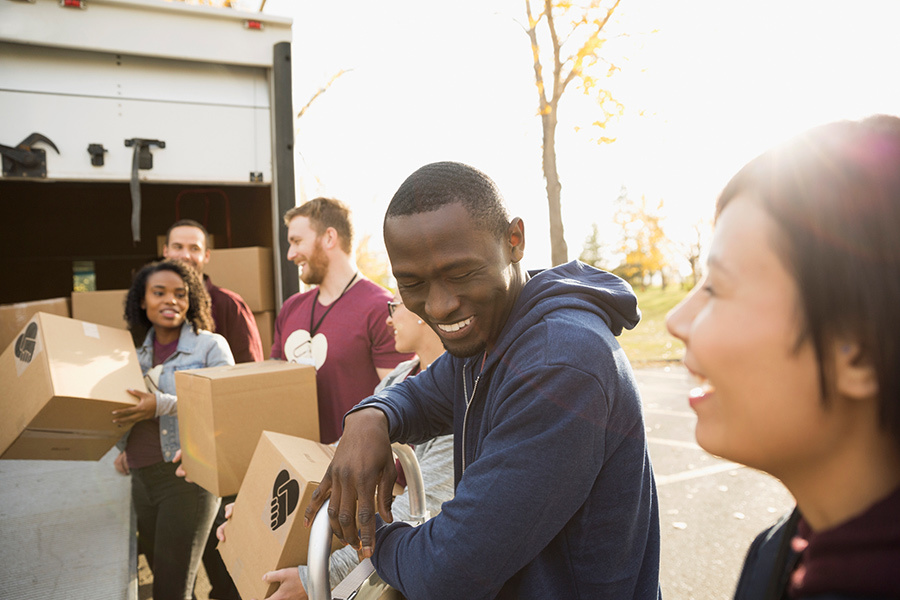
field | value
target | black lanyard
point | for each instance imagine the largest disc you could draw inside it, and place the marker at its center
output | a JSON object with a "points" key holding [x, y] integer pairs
{"points": [[313, 326]]}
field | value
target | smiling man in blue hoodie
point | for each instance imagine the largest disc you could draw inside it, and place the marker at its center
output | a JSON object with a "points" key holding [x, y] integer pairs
{"points": [[555, 496]]}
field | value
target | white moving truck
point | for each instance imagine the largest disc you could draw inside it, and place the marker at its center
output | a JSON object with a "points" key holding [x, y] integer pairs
{"points": [[119, 116], [116, 118]]}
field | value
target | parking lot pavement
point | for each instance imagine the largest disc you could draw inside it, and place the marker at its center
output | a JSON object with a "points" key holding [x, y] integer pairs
{"points": [[710, 509]]}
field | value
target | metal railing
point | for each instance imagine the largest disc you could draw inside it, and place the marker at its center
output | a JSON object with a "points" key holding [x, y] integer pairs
{"points": [[362, 583]]}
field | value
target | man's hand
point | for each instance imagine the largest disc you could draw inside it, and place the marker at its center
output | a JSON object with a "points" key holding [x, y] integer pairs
{"points": [[121, 464], [362, 462], [290, 588], [145, 409], [220, 532]]}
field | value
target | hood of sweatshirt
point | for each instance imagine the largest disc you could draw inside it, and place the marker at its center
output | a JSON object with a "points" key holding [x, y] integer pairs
{"points": [[572, 286]]}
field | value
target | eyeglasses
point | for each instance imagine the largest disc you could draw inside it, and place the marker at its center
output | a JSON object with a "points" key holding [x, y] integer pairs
{"points": [[392, 306]]}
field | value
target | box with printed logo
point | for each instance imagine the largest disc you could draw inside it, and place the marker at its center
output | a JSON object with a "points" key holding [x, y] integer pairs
{"points": [[266, 529], [14, 316], [60, 380], [222, 411]]}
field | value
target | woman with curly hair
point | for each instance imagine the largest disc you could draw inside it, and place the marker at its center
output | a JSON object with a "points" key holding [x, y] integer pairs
{"points": [[168, 313]]}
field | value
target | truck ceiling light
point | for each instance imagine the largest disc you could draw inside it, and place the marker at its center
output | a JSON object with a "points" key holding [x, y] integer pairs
{"points": [[73, 4], [253, 25]]}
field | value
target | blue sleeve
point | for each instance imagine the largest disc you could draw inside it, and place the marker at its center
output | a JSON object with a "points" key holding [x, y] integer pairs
{"points": [[219, 353], [528, 481]]}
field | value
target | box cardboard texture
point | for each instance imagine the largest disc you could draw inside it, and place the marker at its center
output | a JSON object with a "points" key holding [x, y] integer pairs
{"points": [[13, 317], [247, 271], [222, 411], [59, 381], [266, 529], [106, 307], [265, 323]]}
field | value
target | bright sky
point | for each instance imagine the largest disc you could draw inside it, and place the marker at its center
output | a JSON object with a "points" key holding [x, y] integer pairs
{"points": [[719, 82]]}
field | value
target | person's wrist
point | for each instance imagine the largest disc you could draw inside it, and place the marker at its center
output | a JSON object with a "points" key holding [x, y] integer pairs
{"points": [[369, 417]]}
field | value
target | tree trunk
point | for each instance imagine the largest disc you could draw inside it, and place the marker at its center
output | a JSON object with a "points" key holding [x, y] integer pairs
{"points": [[559, 252]]}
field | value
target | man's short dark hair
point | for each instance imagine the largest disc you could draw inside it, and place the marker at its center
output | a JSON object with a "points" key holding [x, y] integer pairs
{"points": [[439, 184], [188, 223]]}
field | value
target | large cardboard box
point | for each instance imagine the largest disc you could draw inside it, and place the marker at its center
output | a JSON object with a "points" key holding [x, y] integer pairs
{"points": [[106, 307], [13, 317], [59, 382], [222, 411], [265, 322], [266, 529], [247, 271]]}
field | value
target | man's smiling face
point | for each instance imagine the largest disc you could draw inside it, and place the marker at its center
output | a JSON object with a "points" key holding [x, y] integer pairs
{"points": [[459, 278]]}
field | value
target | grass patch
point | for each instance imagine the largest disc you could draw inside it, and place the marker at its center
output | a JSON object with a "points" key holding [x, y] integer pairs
{"points": [[649, 342]]}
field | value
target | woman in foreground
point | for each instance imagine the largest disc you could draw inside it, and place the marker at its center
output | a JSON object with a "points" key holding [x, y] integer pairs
{"points": [[794, 334], [168, 313]]}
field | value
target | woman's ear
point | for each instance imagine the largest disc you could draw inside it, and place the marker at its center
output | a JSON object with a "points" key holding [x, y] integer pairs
{"points": [[855, 377]]}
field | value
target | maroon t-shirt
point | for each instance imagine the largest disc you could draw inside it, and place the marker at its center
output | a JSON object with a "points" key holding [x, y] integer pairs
{"points": [[235, 322], [351, 341], [860, 557], [143, 448]]}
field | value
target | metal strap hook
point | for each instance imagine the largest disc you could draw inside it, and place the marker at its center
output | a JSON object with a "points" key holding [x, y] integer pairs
{"points": [[142, 159]]}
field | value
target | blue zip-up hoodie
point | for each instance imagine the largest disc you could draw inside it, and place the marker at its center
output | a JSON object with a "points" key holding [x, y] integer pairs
{"points": [[555, 495]]}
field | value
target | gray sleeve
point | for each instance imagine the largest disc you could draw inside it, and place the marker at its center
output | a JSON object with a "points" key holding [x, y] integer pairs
{"points": [[342, 562]]}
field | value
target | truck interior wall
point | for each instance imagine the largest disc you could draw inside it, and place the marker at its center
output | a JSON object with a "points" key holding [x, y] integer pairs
{"points": [[49, 226]]}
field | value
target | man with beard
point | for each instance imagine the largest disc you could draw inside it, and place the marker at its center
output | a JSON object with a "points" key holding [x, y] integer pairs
{"points": [[555, 496], [340, 325]]}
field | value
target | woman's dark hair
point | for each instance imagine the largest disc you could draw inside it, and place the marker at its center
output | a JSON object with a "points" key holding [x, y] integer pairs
{"points": [[199, 312], [834, 194]]}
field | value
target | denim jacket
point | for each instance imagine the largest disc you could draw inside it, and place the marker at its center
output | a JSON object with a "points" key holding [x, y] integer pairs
{"points": [[195, 351]]}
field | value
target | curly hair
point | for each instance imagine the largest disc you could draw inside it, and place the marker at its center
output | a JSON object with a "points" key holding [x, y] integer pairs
{"points": [[199, 312]]}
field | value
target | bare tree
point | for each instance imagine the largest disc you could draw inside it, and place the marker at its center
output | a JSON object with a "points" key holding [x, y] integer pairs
{"points": [[576, 38], [693, 249]]}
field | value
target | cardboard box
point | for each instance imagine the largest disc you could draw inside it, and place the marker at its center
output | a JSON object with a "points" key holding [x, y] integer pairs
{"points": [[247, 271], [13, 317], [59, 381], [103, 308], [265, 322], [222, 411], [266, 529]]}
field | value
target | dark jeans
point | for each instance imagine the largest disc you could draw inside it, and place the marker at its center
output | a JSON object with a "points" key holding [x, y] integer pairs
{"points": [[223, 587], [174, 518]]}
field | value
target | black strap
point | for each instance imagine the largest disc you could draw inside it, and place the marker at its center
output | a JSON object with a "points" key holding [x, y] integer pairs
{"points": [[785, 561], [313, 326]]}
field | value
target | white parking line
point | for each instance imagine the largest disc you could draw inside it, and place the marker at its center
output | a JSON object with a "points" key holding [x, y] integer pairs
{"points": [[677, 443], [669, 413], [696, 473]]}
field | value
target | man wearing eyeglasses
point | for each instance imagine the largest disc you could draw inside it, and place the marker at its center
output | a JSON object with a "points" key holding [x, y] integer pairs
{"points": [[338, 326]]}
